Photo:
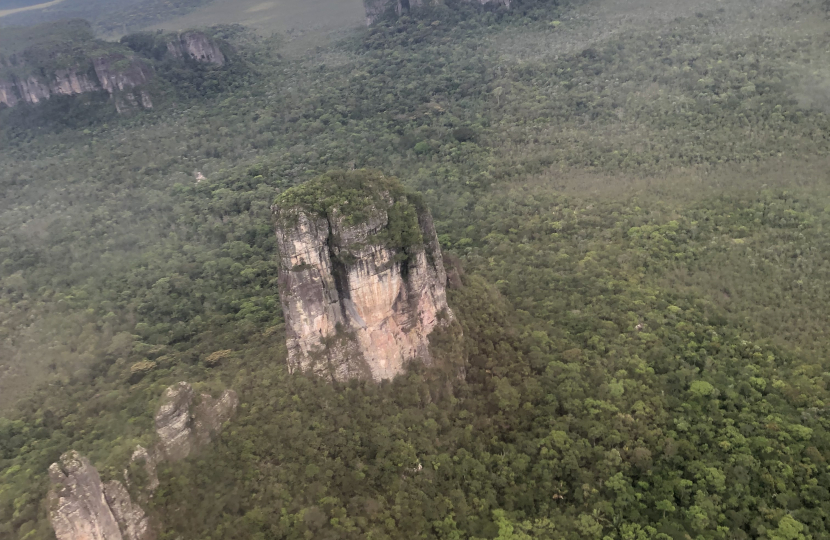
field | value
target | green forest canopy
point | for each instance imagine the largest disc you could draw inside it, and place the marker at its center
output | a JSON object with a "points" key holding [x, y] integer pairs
{"points": [[640, 219]]}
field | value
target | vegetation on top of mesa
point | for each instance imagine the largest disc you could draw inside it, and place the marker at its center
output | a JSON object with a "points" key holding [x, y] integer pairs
{"points": [[52, 46], [17, 39], [357, 195]]}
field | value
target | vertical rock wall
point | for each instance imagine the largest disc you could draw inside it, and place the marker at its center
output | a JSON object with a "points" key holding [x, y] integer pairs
{"points": [[357, 304], [197, 46]]}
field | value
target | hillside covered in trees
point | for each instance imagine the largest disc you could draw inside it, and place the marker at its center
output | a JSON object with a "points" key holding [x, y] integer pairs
{"points": [[633, 203]]}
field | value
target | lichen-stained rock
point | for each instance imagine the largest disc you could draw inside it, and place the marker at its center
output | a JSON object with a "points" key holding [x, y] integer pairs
{"points": [[362, 281], [197, 46], [182, 428], [78, 508], [134, 523]]}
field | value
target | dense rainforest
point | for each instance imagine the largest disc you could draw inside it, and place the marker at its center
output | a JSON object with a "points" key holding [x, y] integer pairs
{"points": [[633, 202]]}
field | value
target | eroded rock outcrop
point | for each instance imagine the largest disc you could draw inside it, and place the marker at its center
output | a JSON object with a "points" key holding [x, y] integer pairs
{"points": [[82, 508], [197, 46], [182, 428], [362, 283]]}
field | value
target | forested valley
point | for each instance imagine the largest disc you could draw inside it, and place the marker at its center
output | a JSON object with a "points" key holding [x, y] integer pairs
{"points": [[633, 202]]}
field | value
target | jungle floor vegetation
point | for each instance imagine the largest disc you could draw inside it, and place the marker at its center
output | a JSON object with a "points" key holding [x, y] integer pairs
{"points": [[637, 198]]}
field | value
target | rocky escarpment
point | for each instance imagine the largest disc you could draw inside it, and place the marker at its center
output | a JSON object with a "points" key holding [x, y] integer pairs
{"points": [[67, 67], [375, 9], [118, 74], [82, 507], [362, 282], [197, 46]]}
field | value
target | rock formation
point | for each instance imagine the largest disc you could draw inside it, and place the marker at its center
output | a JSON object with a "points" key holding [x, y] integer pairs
{"points": [[133, 522], [113, 73], [82, 508], [375, 9], [88, 65], [197, 46], [362, 283], [182, 428]]}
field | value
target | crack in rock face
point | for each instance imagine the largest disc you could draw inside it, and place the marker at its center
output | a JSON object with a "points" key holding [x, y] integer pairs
{"points": [[362, 282]]}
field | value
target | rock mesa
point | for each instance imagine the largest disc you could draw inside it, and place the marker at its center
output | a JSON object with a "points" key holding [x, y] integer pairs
{"points": [[362, 282]]}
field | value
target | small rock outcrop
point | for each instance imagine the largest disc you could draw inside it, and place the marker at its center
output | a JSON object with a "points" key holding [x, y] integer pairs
{"points": [[375, 9], [82, 508], [182, 428], [197, 46], [362, 282]]}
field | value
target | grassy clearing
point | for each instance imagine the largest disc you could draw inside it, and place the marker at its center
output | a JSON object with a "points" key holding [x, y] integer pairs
{"points": [[274, 15], [7, 12]]}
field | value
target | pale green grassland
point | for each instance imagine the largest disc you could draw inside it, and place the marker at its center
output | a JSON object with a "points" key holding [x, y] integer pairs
{"points": [[273, 15]]}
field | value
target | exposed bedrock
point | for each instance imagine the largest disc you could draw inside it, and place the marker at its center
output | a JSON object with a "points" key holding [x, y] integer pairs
{"points": [[82, 508], [362, 281]]}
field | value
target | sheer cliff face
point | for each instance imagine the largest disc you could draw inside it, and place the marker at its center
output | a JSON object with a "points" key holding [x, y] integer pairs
{"points": [[119, 72], [113, 73], [358, 301], [197, 46]]}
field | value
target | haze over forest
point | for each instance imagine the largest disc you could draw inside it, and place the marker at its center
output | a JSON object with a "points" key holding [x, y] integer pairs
{"points": [[538, 269]]}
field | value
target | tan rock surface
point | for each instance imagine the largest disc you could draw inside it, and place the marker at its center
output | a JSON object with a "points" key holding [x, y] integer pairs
{"points": [[355, 307], [78, 508]]}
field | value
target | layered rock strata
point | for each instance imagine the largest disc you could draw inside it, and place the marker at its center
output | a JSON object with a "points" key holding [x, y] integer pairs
{"points": [[361, 278]]}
